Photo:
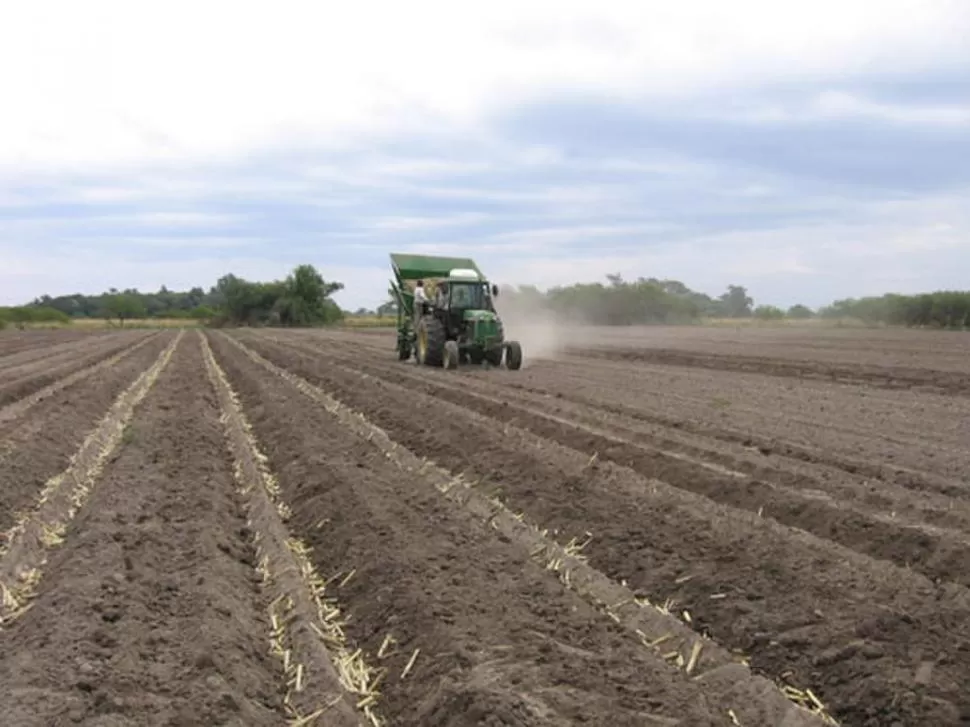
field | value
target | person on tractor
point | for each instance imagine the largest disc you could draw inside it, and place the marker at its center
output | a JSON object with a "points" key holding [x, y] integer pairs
{"points": [[420, 297]]}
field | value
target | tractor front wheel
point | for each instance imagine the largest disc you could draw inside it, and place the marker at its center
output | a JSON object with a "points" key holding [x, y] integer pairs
{"points": [[513, 357]]}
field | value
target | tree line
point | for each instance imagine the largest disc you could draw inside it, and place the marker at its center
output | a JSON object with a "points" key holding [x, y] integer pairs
{"points": [[651, 300], [940, 309], [302, 299], [645, 301]]}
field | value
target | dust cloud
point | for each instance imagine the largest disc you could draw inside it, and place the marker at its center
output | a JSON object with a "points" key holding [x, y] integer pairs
{"points": [[542, 334]]}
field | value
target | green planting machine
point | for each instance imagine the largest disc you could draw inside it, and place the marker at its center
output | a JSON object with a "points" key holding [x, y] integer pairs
{"points": [[458, 323]]}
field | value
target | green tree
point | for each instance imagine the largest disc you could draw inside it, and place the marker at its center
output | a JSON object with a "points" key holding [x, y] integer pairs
{"points": [[736, 303], [800, 311], [21, 316], [306, 299], [124, 306], [768, 313], [303, 299], [202, 313]]}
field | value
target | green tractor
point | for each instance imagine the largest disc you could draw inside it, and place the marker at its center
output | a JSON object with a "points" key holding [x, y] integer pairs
{"points": [[457, 323]]}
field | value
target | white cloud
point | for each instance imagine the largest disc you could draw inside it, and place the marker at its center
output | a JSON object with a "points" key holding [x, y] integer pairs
{"points": [[552, 237], [113, 81], [426, 223], [82, 272], [347, 128], [12, 199], [108, 195], [141, 243], [837, 105], [183, 219], [39, 222]]}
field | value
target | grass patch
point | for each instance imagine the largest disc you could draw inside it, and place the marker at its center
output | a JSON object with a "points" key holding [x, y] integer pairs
{"points": [[370, 322]]}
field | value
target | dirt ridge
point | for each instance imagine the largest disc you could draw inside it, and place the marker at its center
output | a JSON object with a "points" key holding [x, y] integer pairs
{"points": [[51, 371], [323, 675], [20, 406], [25, 548], [472, 630], [655, 627], [651, 535], [940, 553], [946, 382], [150, 613], [39, 444]]}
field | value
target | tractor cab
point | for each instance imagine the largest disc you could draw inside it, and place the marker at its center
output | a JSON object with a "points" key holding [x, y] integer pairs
{"points": [[465, 290]]}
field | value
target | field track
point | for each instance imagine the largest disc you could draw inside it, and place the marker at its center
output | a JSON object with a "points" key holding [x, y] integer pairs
{"points": [[256, 527]]}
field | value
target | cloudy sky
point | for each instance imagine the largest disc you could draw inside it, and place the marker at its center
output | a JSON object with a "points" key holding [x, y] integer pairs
{"points": [[809, 151]]}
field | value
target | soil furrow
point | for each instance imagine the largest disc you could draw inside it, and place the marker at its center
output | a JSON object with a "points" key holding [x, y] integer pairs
{"points": [[909, 432], [553, 385], [48, 357], [906, 439], [726, 681], [17, 409], [36, 447], [151, 612], [15, 352], [322, 674], [945, 382], [494, 638], [864, 632], [653, 401], [42, 374], [26, 545], [745, 455], [886, 472], [940, 554]]}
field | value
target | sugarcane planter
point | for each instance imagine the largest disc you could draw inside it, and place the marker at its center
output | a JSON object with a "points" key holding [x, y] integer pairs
{"points": [[458, 323]]}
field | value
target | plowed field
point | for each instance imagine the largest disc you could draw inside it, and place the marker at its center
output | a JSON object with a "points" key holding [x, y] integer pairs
{"points": [[666, 528]]}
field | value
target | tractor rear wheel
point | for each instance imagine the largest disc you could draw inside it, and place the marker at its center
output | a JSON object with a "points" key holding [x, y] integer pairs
{"points": [[513, 358], [431, 341]]}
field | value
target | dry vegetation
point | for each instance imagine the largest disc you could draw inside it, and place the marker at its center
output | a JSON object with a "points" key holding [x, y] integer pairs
{"points": [[667, 526], [108, 324]]}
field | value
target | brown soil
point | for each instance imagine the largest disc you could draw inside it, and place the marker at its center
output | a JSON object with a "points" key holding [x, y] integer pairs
{"points": [[150, 612], [56, 351], [945, 382], [862, 633], [800, 498], [909, 528], [892, 348], [14, 342], [501, 640], [24, 379], [38, 445], [905, 435]]}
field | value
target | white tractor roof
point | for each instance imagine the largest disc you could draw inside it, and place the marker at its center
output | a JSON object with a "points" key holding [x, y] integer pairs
{"points": [[463, 273]]}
